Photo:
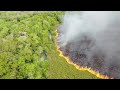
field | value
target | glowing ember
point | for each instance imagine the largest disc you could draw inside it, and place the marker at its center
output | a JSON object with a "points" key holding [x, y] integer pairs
{"points": [[79, 67]]}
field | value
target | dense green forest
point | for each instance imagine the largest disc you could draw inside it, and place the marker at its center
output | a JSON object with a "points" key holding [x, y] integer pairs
{"points": [[27, 48]]}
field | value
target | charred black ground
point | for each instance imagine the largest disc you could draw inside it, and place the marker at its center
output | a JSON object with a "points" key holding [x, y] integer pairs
{"points": [[76, 51]]}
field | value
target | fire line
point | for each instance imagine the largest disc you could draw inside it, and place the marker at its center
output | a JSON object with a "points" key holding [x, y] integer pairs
{"points": [[96, 73]]}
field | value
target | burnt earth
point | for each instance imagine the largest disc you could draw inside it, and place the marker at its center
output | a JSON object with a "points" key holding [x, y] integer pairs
{"points": [[77, 54]]}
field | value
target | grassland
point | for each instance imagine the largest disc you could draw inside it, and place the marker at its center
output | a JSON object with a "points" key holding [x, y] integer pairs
{"points": [[22, 57]]}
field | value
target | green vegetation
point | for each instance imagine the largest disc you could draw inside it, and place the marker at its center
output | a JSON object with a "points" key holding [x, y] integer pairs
{"points": [[27, 50]]}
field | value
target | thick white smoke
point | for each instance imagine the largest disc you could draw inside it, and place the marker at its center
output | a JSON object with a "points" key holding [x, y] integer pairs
{"points": [[102, 27]]}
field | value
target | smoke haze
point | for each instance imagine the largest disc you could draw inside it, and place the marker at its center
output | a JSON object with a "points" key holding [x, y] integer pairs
{"points": [[92, 38]]}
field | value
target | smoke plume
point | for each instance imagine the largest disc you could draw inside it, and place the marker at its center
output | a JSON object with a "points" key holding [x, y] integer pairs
{"points": [[92, 38]]}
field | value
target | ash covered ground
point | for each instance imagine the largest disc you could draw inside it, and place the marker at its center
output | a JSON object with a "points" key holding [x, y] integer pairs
{"points": [[77, 54], [98, 49]]}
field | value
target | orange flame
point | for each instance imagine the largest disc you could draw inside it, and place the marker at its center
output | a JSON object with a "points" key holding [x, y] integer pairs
{"points": [[78, 67]]}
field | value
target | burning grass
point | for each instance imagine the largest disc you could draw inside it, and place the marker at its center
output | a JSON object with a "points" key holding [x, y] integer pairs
{"points": [[77, 66], [60, 69]]}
